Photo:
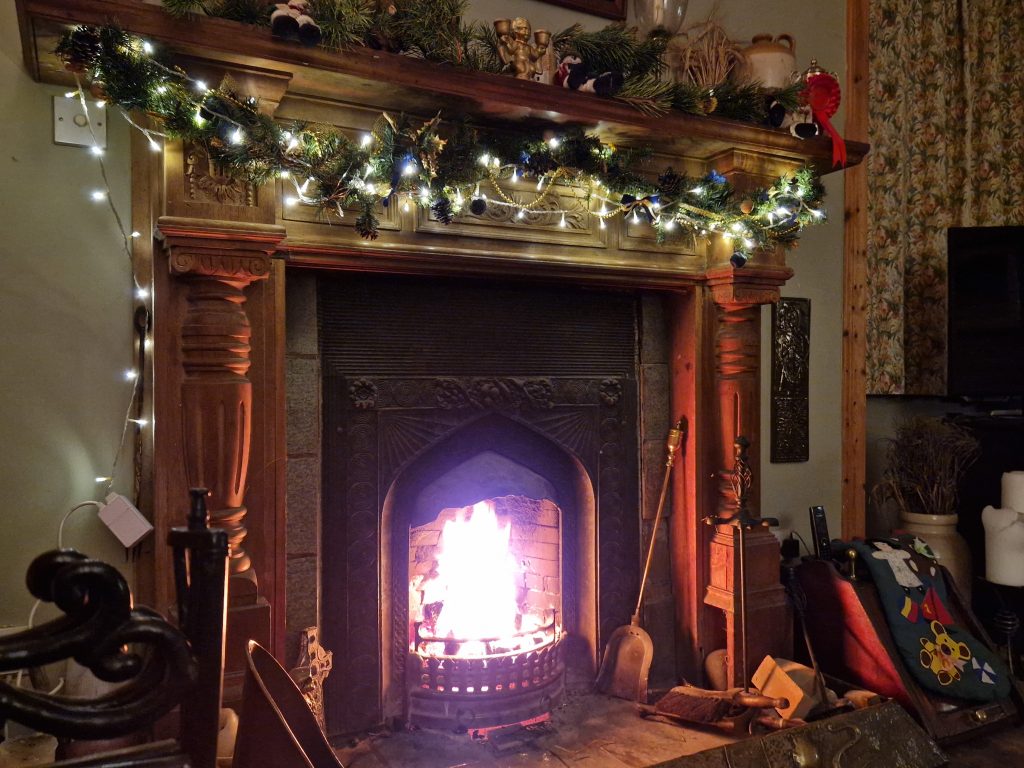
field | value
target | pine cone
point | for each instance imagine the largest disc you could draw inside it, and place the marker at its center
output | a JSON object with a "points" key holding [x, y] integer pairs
{"points": [[80, 48], [442, 210]]}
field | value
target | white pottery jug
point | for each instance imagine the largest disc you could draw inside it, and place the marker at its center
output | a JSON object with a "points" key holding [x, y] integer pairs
{"points": [[771, 61]]}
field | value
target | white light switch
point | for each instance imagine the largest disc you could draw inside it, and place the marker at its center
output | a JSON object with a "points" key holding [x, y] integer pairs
{"points": [[71, 127]]}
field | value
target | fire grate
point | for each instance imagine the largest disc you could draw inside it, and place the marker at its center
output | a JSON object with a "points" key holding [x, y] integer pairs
{"points": [[457, 693]]}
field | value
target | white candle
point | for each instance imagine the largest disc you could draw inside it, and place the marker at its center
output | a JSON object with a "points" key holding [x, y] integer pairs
{"points": [[1013, 491]]}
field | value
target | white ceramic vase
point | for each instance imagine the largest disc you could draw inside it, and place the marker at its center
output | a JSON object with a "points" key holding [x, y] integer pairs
{"points": [[939, 531]]}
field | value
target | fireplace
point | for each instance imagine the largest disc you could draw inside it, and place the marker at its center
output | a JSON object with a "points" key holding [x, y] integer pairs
{"points": [[532, 409]]}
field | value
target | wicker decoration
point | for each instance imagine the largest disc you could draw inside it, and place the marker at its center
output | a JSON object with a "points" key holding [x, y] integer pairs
{"points": [[704, 55]]}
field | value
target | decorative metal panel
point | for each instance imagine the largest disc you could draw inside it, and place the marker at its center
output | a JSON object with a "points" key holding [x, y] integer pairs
{"points": [[791, 354]]}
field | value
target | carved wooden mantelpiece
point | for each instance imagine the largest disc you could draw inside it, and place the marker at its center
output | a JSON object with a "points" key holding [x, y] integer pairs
{"points": [[219, 276]]}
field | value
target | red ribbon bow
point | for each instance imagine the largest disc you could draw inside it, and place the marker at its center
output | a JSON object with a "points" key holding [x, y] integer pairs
{"points": [[822, 95]]}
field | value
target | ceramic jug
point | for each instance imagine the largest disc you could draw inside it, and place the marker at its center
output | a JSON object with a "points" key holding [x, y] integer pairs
{"points": [[771, 61]]}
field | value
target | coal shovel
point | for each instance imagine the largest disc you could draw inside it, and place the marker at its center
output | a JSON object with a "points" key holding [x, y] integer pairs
{"points": [[628, 653]]}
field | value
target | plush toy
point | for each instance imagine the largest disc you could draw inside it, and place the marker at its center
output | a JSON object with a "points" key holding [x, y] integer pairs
{"points": [[573, 74], [292, 21]]}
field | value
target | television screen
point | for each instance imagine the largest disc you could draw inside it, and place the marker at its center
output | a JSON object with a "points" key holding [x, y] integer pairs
{"points": [[986, 311]]}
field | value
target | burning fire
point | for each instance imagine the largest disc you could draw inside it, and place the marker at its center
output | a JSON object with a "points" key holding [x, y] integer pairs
{"points": [[472, 604]]}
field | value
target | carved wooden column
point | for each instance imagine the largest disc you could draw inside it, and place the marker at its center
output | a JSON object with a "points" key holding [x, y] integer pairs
{"points": [[735, 399], [215, 263]]}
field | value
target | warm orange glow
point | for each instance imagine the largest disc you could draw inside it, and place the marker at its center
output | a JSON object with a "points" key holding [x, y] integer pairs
{"points": [[471, 606]]}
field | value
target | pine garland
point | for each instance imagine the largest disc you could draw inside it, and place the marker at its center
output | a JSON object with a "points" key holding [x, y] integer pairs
{"points": [[441, 169]]}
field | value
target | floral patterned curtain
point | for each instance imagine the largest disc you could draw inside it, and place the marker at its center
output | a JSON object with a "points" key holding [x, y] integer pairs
{"points": [[946, 127]]}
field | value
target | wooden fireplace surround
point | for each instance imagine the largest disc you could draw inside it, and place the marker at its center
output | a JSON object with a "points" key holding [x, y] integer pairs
{"points": [[221, 250]]}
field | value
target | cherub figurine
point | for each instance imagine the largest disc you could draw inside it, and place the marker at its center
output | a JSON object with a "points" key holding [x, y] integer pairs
{"points": [[516, 50]]}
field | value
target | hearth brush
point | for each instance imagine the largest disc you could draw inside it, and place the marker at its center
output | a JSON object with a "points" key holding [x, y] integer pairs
{"points": [[628, 654]]}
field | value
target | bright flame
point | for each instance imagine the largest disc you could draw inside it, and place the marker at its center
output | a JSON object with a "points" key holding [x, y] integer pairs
{"points": [[476, 577], [471, 605]]}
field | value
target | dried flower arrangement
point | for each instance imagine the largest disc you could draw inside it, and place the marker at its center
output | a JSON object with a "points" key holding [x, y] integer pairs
{"points": [[926, 458]]}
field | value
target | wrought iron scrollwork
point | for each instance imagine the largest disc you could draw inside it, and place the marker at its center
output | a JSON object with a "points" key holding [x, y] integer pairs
{"points": [[101, 631]]}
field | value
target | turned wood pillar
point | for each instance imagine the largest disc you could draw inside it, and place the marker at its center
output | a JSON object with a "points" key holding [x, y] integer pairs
{"points": [[207, 354], [734, 397]]}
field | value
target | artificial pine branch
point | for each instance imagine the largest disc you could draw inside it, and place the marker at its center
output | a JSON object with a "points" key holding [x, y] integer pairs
{"points": [[343, 23], [744, 101], [690, 98], [789, 97], [245, 11], [181, 8], [648, 94], [611, 49]]}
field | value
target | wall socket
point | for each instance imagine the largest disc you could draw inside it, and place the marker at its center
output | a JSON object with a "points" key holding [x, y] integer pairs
{"points": [[71, 127]]}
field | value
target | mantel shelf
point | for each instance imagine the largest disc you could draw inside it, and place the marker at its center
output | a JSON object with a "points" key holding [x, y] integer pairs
{"points": [[386, 81]]}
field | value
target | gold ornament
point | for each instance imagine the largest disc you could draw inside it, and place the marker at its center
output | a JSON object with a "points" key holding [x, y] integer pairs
{"points": [[515, 49], [747, 206]]}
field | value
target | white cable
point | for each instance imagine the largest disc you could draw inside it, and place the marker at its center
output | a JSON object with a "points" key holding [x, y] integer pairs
{"points": [[60, 530]]}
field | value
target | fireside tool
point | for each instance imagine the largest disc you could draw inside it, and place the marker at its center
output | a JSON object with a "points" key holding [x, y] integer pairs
{"points": [[627, 656]]}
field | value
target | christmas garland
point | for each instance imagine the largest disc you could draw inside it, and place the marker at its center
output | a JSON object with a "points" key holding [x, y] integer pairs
{"points": [[447, 170]]}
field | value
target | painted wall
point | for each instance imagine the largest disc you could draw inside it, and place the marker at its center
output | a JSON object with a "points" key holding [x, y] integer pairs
{"points": [[65, 331]]}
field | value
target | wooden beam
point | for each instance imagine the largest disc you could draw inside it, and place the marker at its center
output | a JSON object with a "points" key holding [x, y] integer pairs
{"points": [[855, 277]]}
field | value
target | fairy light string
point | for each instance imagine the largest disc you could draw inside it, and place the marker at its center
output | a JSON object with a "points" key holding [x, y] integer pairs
{"points": [[439, 168], [132, 375]]}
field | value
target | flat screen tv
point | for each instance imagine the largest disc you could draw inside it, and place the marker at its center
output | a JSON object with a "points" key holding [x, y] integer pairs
{"points": [[986, 312]]}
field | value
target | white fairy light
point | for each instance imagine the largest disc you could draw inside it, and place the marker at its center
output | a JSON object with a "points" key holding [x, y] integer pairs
{"points": [[736, 227], [405, 206], [130, 374], [554, 142], [459, 199], [154, 145], [161, 89], [290, 200], [540, 183], [103, 479], [409, 169], [782, 211], [816, 213], [670, 224], [98, 151], [636, 217], [697, 191], [141, 294], [100, 104], [521, 214], [603, 225], [748, 243], [561, 221], [140, 423], [136, 234], [147, 47], [98, 194], [425, 195], [284, 173], [201, 86], [237, 137], [199, 119], [70, 94], [366, 140], [485, 159]]}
